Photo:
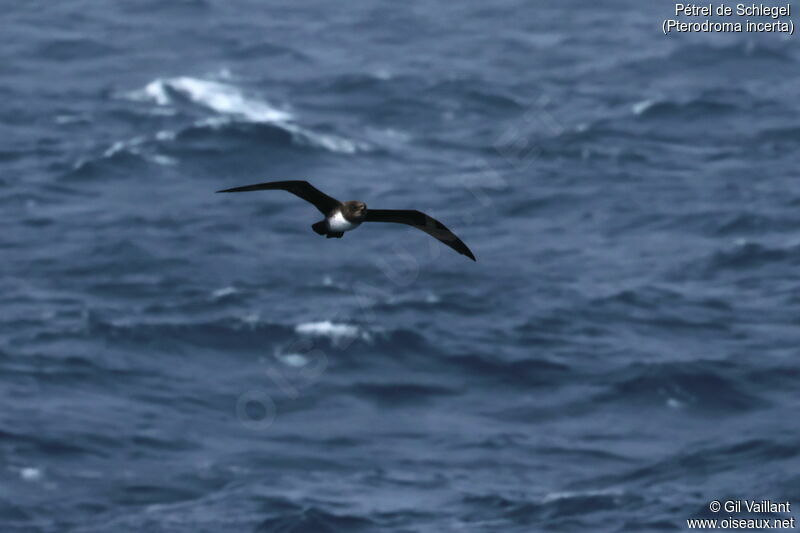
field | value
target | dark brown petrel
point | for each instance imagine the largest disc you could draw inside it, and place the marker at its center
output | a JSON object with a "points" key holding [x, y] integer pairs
{"points": [[345, 216]]}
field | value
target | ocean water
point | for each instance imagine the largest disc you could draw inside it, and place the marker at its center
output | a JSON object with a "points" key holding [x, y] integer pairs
{"points": [[624, 351]]}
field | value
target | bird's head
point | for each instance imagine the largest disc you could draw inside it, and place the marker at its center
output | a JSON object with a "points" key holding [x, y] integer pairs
{"points": [[355, 209]]}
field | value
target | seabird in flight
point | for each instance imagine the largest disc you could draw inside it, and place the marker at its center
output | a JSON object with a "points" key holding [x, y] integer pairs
{"points": [[346, 216]]}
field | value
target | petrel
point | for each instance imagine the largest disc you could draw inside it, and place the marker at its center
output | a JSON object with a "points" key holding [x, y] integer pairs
{"points": [[345, 216]]}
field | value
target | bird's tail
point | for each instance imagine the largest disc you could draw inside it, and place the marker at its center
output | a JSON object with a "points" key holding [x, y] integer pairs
{"points": [[321, 227]]}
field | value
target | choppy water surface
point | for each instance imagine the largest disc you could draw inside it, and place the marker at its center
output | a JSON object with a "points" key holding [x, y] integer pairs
{"points": [[623, 352]]}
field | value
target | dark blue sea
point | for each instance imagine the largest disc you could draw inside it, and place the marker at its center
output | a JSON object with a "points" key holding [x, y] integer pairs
{"points": [[624, 351]]}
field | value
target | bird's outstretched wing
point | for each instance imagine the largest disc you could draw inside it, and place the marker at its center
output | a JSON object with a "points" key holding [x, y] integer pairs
{"points": [[300, 188], [421, 221]]}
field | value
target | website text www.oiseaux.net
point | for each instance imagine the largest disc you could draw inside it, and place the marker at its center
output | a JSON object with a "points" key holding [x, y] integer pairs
{"points": [[748, 506]]}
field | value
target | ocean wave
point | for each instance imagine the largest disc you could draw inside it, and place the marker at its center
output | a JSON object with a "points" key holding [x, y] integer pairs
{"points": [[167, 147], [114, 161], [702, 463], [778, 140], [551, 202], [746, 255], [223, 293], [409, 300], [602, 139], [230, 334], [691, 108], [69, 369], [73, 49], [231, 106], [333, 331], [276, 133], [15, 514], [313, 519], [477, 93], [523, 372], [696, 385], [8, 156], [366, 82], [243, 333], [121, 157], [713, 60], [31, 473], [400, 394], [659, 305], [66, 119], [261, 49], [135, 147], [748, 52], [213, 95], [551, 506], [752, 223], [50, 446]]}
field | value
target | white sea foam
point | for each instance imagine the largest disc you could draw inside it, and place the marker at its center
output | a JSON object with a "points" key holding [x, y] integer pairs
{"points": [[642, 107], [220, 97], [295, 360], [570, 495], [230, 104], [431, 298], [223, 292], [166, 135], [136, 146], [163, 160], [155, 90], [674, 403], [213, 123], [332, 330], [252, 319], [71, 119], [326, 328], [30, 474], [329, 142], [131, 146], [390, 137]]}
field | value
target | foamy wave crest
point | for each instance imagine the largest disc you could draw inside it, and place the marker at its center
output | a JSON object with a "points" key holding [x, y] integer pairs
{"points": [[216, 96], [331, 330], [231, 105], [137, 146], [640, 108], [332, 143]]}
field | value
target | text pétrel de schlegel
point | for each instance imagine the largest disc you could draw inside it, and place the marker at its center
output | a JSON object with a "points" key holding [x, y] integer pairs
{"points": [[742, 10]]}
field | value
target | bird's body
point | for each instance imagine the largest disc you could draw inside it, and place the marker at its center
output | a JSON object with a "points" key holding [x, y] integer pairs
{"points": [[341, 217], [342, 220], [338, 223], [344, 217]]}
